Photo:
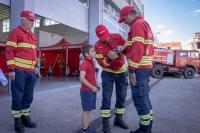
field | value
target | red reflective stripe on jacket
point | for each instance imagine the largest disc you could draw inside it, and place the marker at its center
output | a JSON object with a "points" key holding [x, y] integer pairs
{"points": [[103, 49], [142, 43], [25, 48]]}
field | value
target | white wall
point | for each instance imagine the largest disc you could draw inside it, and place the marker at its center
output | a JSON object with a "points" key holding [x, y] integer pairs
{"points": [[76, 38], [68, 12], [47, 39]]}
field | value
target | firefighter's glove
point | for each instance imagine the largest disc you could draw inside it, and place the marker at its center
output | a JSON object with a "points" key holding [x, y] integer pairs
{"points": [[120, 49], [11, 75], [112, 54]]}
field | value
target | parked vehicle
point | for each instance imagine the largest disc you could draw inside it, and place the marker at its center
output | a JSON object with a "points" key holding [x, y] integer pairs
{"points": [[178, 62]]}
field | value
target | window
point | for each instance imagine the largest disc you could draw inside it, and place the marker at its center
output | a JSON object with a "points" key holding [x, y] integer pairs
{"points": [[110, 18], [106, 4], [37, 23], [195, 55], [114, 11], [50, 22], [183, 54], [6, 25], [47, 22], [129, 2], [198, 45]]}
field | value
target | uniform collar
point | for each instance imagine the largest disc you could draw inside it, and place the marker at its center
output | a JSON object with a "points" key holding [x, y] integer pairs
{"points": [[24, 30], [136, 18]]}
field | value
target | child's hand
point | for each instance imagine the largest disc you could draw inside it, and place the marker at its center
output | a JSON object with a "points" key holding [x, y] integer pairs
{"points": [[99, 88], [94, 89]]}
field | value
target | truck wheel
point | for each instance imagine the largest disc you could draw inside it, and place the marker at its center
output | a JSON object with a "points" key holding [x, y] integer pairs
{"points": [[189, 73], [157, 72]]}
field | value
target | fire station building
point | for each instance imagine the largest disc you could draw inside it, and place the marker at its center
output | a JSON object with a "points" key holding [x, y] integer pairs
{"points": [[62, 27]]}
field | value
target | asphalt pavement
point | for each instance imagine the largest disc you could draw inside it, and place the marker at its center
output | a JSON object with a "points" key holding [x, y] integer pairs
{"points": [[57, 108]]}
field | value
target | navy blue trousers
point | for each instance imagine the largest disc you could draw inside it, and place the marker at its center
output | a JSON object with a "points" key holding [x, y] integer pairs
{"points": [[22, 89], [140, 95], [108, 80]]}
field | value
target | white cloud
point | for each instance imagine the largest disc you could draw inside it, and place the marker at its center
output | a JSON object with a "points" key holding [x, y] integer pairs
{"points": [[161, 26], [168, 32], [166, 36], [196, 12], [155, 17]]}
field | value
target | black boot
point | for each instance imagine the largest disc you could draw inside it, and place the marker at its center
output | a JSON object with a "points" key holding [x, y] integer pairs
{"points": [[151, 125], [26, 120], [119, 122], [106, 126], [139, 130], [19, 128]]}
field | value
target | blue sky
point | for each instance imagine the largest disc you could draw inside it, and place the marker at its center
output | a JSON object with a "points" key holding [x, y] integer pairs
{"points": [[175, 20]]}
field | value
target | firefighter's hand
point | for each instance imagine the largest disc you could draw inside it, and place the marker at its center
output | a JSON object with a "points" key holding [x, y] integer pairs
{"points": [[132, 78], [112, 54], [11, 75], [94, 89]]}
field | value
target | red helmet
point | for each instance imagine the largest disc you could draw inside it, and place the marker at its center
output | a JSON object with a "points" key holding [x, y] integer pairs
{"points": [[28, 14], [102, 32], [124, 11]]}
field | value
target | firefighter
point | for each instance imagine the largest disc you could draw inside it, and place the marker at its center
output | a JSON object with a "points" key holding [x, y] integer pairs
{"points": [[114, 71], [139, 52], [21, 56]]}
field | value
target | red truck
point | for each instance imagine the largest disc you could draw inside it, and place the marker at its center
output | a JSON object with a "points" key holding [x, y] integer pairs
{"points": [[177, 62]]}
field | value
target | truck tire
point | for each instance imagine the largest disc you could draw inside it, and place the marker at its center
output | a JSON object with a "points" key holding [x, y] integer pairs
{"points": [[189, 73], [157, 72]]}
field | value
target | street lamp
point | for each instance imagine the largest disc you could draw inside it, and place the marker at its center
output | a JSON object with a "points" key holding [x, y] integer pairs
{"points": [[156, 40]]}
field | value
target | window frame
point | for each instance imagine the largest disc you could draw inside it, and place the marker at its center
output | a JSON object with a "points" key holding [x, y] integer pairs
{"points": [[6, 25], [192, 55]]}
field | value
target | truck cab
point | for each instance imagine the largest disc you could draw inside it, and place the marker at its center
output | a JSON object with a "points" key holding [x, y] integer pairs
{"points": [[185, 59]]}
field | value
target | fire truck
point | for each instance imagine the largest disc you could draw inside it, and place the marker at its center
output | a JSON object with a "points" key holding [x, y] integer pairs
{"points": [[184, 63]]}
